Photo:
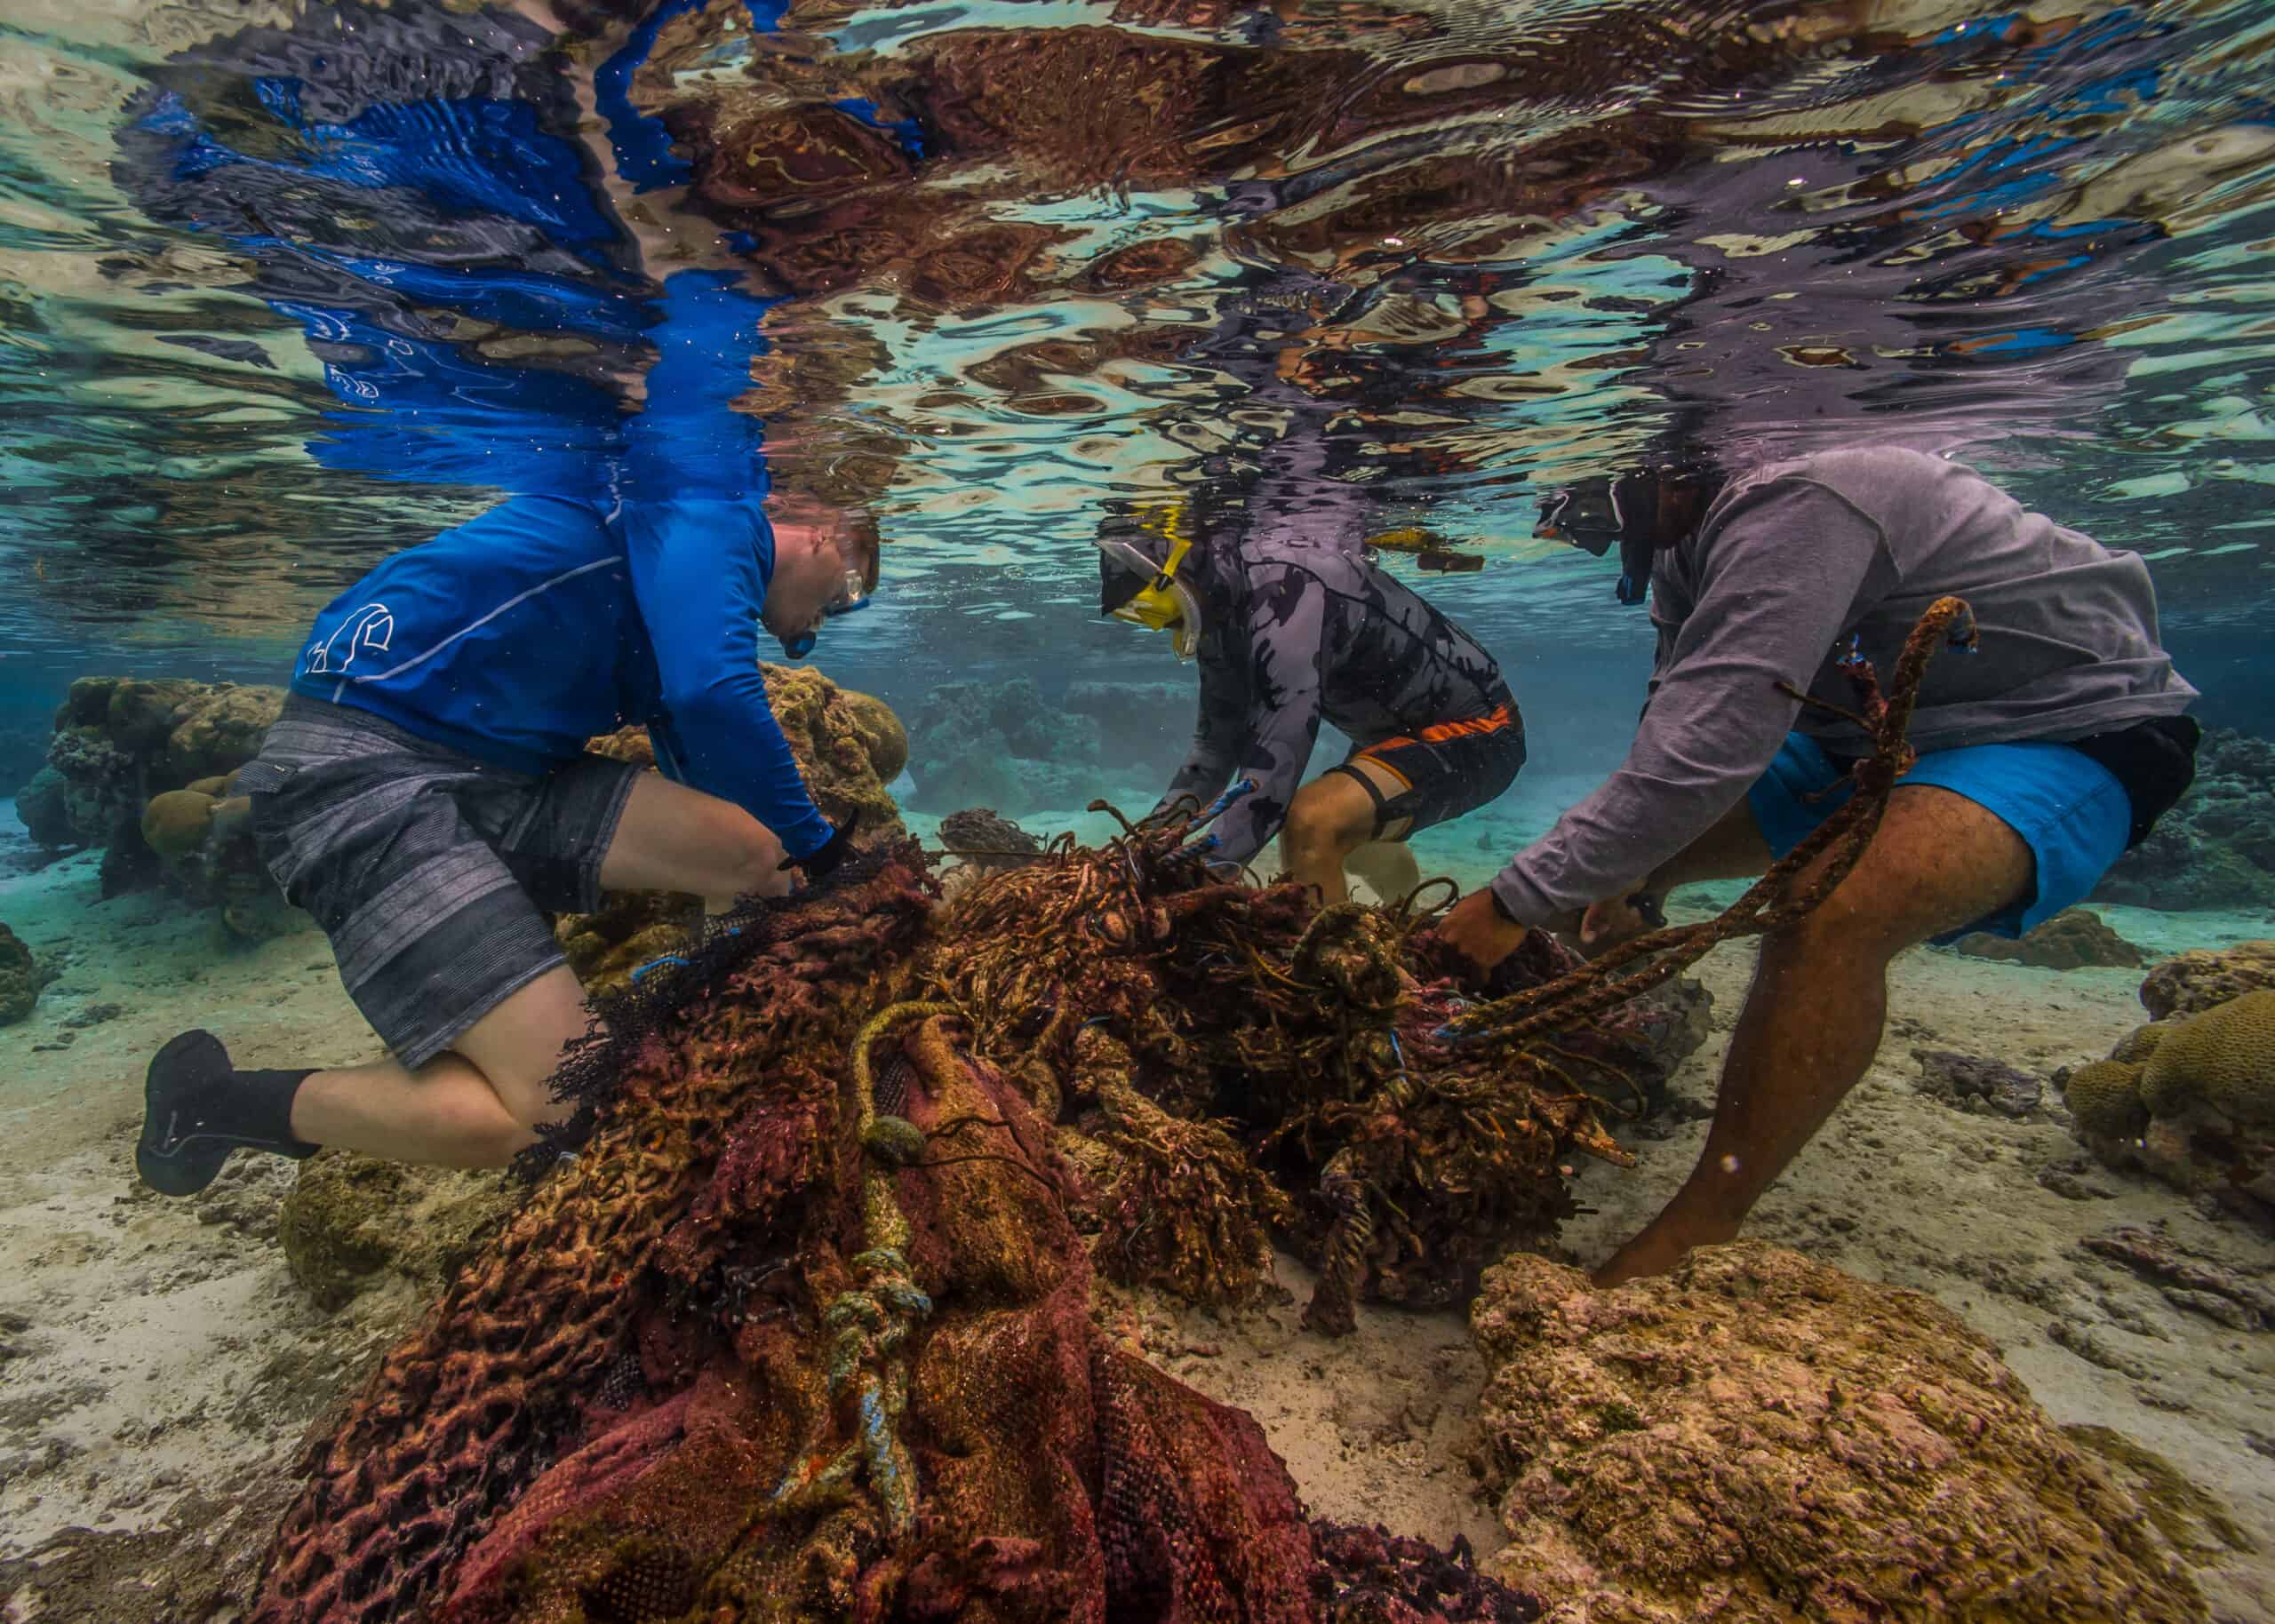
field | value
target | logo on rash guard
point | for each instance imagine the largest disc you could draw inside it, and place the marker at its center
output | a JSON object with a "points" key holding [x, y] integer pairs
{"points": [[372, 627]]}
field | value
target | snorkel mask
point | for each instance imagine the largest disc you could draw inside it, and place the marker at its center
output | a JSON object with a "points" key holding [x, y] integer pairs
{"points": [[852, 596], [1133, 587], [1590, 516]]}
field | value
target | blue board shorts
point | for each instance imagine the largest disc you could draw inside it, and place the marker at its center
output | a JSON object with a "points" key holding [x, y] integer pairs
{"points": [[2070, 811]]}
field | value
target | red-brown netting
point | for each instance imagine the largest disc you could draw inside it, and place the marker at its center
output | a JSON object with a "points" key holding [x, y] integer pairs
{"points": [[801, 1328]]}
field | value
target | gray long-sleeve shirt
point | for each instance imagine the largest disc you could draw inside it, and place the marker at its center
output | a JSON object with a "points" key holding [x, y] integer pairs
{"points": [[1788, 562]]}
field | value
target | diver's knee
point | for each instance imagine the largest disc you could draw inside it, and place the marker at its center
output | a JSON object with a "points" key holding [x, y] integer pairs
{"points": [[1310, 834]]}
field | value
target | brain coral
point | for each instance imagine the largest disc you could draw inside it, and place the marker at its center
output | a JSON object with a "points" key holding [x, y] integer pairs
{"points": [[2105, 1098], [2137, 1045], [1758, 1437], [175, 823], [2224, 1057]]}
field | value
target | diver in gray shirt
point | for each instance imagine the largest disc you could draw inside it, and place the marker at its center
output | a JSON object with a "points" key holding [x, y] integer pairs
{"points": [[2044, 754]]}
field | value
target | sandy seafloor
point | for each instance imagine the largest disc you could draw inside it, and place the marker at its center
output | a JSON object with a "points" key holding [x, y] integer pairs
{"points": [[158, 1366]]}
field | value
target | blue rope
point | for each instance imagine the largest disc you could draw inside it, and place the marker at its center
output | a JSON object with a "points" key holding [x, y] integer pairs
{"points": [[652, 963]]}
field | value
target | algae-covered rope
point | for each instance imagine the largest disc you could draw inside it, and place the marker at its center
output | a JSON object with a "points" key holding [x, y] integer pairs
{"points": [[1772, 901], [871, 1320]]}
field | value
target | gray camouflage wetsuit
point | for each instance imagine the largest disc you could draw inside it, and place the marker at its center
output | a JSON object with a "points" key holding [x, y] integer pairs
{"points": [[1298, 626]]}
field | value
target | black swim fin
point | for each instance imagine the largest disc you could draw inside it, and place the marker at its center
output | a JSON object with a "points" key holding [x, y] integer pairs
{"points": [[197, 1108]]}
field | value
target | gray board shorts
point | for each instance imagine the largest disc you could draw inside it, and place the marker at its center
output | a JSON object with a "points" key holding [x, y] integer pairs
{"points": [[431, 870]]}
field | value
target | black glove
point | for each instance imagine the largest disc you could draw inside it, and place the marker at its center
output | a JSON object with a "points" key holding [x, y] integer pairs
{"points": [[823, 860]]}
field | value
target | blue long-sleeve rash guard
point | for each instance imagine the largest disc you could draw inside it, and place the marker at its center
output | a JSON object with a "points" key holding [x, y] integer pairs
{"points": [[550, 619]]}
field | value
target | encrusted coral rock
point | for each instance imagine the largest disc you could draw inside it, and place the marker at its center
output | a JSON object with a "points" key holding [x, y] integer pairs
{"points": [[44, 806], [2137, 1045], [2073, 939], [836, 737], [124, 748], [881, 732], [19, 978], [976, 836], [218, 731], [839, 741], [2197, 980], [101, 785], [2191, 1101], [352, 1219], [632, 928], [1974, 1083], [1757, 1438]]}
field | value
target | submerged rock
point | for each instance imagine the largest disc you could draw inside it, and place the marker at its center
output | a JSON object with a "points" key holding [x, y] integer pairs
{"points": [[980, 837], [141, 768], [2195, 1283], [1973, 1083], [1757, 1438], [2190, 1102], [44, 806], [351, 1221], [19, 978], [2198, 980], [2073, 939]]}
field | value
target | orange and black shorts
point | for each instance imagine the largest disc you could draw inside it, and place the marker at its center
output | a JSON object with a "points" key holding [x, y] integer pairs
{"points": [[1437, 773]]}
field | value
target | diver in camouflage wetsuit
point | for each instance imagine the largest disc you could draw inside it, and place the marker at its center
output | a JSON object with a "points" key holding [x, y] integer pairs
{"points": [[1293, 623], [1279, 597]]}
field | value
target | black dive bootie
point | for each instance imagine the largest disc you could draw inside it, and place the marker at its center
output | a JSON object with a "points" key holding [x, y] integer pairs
{"points": [[198, 1108]]}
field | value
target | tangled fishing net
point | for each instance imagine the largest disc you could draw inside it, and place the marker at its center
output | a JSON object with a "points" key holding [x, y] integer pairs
{"points": [[797, 1323]]}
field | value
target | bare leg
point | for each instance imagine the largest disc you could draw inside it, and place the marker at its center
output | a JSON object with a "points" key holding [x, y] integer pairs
{"points": [[1812, 1022], [1387, 867], [1330, 817], [473, 1107], [477, 1106]]}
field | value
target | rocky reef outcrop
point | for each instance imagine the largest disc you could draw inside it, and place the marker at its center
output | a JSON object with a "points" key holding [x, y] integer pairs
{"points": [[2216, 849], [141, 768], [351, 1221], [1757, 1438], [2074, 939], [2208, 977], [19, 978], [43, 806], [120, 741], [2190, 1098]]}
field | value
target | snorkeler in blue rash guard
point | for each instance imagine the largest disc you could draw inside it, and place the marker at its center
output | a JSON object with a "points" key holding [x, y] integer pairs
{"points": [[425, 794]]}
